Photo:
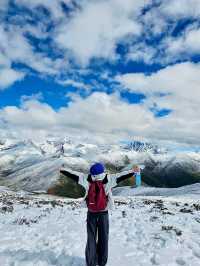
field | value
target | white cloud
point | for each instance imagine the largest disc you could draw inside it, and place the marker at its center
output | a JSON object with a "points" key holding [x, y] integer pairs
{"points": [[185, 45], [21, 51], [53, 6], [180, 8], [8, 76], [32, 115], [36, 96], [154, 23], [98, 116], [76, 84], [160, 22], [182, 79], [107, 117], [95, 30], [3, 5], [141, 52], [180, 86], [4, 61]]}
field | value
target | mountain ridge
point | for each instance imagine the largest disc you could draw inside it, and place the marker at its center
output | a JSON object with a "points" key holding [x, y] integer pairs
{"points": [[33, 165]]}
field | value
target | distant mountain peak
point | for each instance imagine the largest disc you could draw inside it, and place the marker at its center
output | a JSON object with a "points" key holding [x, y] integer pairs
{"points": [[142, 146]]}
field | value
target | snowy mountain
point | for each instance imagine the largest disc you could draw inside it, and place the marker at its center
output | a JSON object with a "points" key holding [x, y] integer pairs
{"points": [[140, 146], [172, 170], [35, 166]]}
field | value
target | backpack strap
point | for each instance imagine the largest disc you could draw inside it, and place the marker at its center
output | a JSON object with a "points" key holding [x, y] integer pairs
{"points": [[89, 178], [105, 180]]}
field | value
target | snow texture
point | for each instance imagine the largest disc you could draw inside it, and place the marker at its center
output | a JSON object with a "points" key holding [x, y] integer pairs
{"points": [[144, 230]]}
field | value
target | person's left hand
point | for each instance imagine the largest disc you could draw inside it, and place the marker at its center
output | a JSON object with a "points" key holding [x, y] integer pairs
{"points": [[136, 169]]}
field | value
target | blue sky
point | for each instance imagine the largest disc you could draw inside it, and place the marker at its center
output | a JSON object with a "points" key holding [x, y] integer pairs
{"points": [[112, 70]]}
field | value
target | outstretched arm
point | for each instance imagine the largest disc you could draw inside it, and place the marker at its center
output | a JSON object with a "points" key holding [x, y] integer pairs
{"points": [[124, 176], [135, 171], [115, 179], [70, 175], [77, 177]]}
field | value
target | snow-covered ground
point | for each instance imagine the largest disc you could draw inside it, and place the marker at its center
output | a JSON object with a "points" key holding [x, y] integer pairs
{"points": [[144, 230]]}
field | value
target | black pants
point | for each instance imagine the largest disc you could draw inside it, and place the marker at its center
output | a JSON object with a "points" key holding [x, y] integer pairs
{"points": [[96, 251]]}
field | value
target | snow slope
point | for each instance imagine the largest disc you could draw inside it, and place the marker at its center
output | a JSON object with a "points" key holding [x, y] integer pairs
{"points": [[185, 191], [144, 231]]}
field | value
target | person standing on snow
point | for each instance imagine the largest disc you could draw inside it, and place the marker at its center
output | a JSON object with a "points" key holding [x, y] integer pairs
{"points": [[98, 198]]}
